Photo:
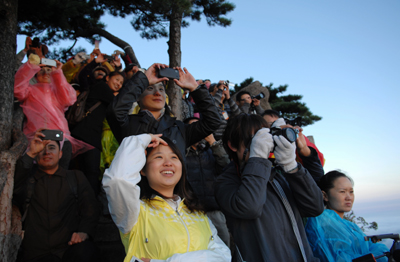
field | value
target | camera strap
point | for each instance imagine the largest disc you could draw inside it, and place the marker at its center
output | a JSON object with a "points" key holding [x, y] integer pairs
{"points": [[289, 210]]}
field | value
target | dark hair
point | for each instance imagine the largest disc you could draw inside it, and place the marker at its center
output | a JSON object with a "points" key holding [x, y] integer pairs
{"points": [[212, 87], [187, 120], [240, 130], [326, 181], [271, 112], [114, 73], [240, 94], [182, 188]]}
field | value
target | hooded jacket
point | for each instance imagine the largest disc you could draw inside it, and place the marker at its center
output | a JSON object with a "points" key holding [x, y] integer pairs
{"points": [[155, 230]]}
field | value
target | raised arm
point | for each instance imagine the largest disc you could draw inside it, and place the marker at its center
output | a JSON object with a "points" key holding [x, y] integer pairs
{"points": [[22, 88], [120, 181], [205, 104], [64, 92]]}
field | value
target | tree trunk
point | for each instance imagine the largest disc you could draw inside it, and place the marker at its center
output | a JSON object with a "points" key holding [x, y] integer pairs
{"points": [[11, 233], [174, 51], [10, 222], [113, 39]]}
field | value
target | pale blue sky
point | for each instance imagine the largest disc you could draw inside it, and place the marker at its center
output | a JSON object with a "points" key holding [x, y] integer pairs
{"points": [[342, 56]]}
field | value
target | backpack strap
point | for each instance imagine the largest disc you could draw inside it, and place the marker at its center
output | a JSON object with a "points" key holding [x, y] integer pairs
{"points": [[92, 108], [279, 190], [30, 188], [73, 183]]}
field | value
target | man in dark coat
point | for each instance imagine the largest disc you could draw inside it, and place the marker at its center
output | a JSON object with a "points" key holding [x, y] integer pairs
{"points": [[263, 205], [60, 211]]}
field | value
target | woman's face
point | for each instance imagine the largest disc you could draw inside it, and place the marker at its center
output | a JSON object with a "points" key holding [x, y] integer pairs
{"points": [[340, 198], [163, 170], [115, 82], [153, 98], [43, 76]]}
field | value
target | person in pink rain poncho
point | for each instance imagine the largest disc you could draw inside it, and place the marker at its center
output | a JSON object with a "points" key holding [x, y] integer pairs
{"points": [[44, 104]]}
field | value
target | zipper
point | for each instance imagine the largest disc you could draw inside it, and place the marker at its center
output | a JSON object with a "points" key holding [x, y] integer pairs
{"points": [[187, 231]]}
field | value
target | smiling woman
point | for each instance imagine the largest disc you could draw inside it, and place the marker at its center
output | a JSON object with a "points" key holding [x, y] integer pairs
{"points": [[153, 207]]}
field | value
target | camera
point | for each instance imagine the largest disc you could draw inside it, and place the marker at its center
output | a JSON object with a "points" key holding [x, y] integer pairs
{"points": [[259, 96], [289, 133], [202, 145], [294, 122]]}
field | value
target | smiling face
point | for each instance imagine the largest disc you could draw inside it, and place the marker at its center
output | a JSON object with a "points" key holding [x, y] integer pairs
{"points": [[115, 82], [49, 157], [163, 170], [340, 198], [153, 98], [43, 76]]}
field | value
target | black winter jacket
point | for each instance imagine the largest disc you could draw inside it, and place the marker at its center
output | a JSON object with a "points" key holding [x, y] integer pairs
{"points": [[205, 166], [54, 213], [122, 124], [256, 216], [90, 128]]}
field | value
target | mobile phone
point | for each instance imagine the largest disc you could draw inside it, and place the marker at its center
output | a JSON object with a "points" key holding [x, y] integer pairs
{"points": [[96, 44], [48, 62], [109, 57], [168, 72], [56, 135]]}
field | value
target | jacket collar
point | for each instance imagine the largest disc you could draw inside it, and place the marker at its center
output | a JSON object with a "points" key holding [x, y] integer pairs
{"points": [[60, 172]]}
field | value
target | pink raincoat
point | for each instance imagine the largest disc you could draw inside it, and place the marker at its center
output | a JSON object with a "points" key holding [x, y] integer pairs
{"points": [[44, 104]]}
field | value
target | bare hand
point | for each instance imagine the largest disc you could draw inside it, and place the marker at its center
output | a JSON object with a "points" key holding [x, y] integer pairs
{"points": [[256, 102], [59, 65], [301, 144], [186, 80], [152, 73], [117, 61], [78, 238], [96, 52], [156, 140], [37, 144], [210, 139], [226, 93], [28, 43], [145, 259], [100, 58]]}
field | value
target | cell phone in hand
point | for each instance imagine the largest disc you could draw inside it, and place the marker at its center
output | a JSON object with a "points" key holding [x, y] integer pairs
{"points": [[168, 72], [48, 62], [55, 135]]}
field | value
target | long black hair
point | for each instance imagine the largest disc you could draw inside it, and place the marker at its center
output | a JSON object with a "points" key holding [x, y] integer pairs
{"points": [[182, 188]]}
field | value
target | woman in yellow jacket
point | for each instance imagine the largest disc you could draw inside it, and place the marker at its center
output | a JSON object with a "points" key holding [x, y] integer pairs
{"points": [[155, 211]]}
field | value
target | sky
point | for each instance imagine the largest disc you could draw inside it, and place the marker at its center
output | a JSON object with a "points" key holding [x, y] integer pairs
{"points": [[342, 56]]}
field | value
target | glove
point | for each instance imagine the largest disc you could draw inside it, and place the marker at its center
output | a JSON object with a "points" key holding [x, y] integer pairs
{"points": [[279, 122], [34, 59], [261, 144], [285, 153]]}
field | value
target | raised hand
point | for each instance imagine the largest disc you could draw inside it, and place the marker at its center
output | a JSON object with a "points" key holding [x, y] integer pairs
{"points": [[37, 144], [156, 140], [152, 73], [186, 80]]}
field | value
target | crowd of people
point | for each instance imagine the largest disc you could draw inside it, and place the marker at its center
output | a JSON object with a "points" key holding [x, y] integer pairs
{"points": [[221, 185]]}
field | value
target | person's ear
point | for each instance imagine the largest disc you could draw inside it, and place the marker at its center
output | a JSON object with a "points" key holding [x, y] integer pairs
{"points": [[325, 196], [107, 78], [231, 147], [142, 172]]}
